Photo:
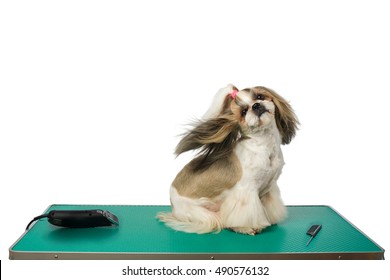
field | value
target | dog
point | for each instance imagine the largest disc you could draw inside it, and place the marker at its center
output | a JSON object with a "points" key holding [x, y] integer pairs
{"points": [[232, 182]]}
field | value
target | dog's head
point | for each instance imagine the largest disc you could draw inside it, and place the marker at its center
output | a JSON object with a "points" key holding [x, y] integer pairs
{"points": [[258, 108], [235, 114]]}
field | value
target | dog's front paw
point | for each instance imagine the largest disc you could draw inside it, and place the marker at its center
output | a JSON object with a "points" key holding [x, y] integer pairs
{"points": [[246, 230], [274, 207]]}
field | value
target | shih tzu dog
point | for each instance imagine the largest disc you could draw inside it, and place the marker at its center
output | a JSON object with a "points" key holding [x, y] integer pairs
{"points": [[232, 183]]}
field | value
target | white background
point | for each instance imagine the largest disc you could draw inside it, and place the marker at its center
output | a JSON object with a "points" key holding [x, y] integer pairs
{"points": [[95, 93]]}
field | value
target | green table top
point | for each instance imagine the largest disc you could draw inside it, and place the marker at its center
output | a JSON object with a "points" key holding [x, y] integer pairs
{"points": [[141, 236]]}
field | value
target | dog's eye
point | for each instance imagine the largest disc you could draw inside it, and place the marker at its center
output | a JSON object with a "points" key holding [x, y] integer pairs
{"points": [[243, 112], [260, 97]]}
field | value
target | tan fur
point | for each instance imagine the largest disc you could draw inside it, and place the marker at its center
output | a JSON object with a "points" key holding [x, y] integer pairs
{"points": [[211, 131], [215, 138], [210, 182]]}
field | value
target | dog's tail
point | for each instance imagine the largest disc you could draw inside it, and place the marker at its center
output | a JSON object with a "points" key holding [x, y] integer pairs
{"points": [[204, 222], [192, 215]]}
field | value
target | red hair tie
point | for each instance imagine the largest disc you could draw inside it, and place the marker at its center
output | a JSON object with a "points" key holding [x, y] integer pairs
{"points": [[234, 93]]}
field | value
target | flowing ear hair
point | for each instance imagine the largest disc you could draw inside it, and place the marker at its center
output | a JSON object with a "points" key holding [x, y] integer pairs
{"points": [[286, 120], [215, 137], [219, 102]]}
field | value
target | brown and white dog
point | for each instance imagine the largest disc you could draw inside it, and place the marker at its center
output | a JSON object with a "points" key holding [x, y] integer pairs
{"points": [[232, 182]]}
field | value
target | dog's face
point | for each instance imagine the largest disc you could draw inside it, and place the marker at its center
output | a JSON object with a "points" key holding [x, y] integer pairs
{"points": [[254, 108]]}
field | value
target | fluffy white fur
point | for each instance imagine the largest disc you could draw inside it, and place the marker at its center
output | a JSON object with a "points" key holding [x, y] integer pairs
{"points": [[254, 202]]}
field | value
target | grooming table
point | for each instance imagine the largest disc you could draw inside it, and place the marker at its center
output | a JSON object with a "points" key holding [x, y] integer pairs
{"points": [[141, 236]]}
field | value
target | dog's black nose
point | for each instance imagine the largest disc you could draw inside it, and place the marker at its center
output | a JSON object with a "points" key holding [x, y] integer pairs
{"points": [[259, 109]]}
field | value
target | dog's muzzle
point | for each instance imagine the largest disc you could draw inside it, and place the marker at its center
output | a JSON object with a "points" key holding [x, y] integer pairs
{"points": [[259, 109]]}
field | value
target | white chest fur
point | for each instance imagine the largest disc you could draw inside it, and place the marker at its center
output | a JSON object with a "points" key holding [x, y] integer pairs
{"points": [[261, 160]]}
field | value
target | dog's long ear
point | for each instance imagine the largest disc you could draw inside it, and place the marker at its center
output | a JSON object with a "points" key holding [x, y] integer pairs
{"points": [[219, 102], [286, 120], [214, 137], [212, 131]]}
